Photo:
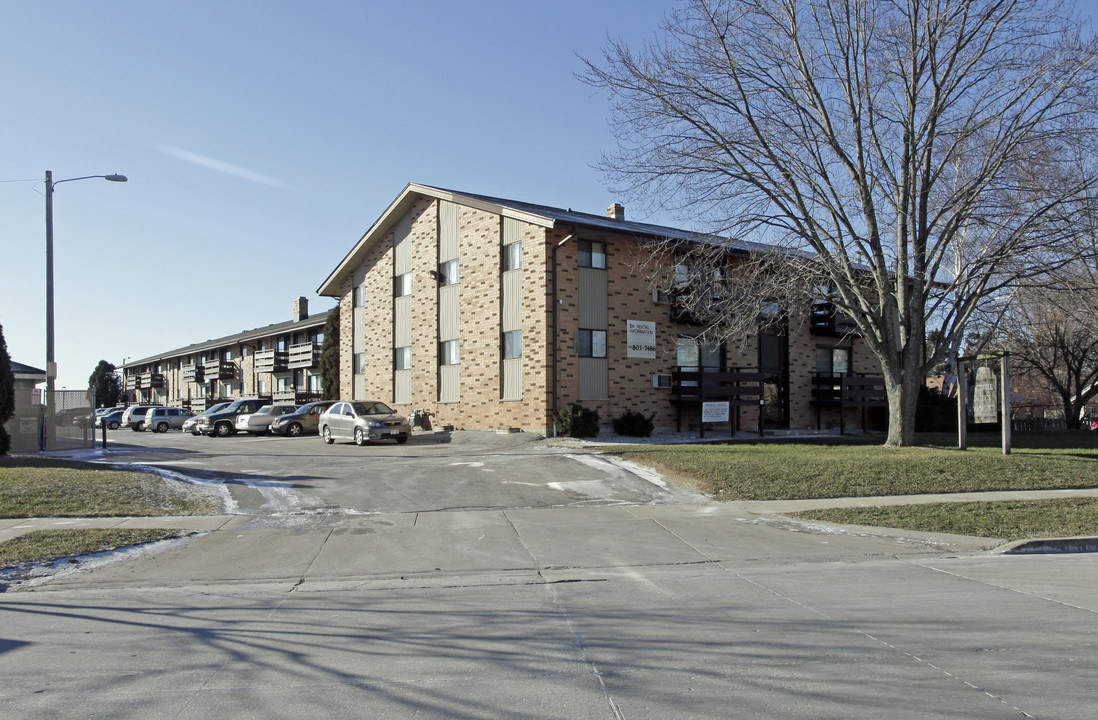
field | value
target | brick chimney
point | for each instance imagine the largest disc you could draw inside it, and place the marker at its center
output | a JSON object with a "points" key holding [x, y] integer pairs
{"points": [[301, 309], [616, 212]]}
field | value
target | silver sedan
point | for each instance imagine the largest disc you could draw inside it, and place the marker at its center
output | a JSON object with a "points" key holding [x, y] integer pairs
{"points": [[362, 422]]}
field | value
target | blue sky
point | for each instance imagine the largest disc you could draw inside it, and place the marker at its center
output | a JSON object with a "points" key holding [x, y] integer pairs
{"points": [[261, 139]]}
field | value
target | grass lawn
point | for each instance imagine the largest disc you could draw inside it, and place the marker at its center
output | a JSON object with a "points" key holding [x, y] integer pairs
{"points": [[34, 487], [862, 467]]}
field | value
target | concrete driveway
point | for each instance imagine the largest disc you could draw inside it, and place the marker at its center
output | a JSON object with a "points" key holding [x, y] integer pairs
{"points": [[582, 604]]}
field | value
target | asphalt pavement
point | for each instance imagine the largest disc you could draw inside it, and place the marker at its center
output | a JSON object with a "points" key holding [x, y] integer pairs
{"points": [[582, 606]]}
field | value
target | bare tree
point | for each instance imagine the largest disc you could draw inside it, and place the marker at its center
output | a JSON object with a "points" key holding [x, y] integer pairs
{"points": [[918, 151]]}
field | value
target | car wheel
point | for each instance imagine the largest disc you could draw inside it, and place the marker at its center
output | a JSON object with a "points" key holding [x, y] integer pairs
{"points": [[402, 439], [196, 433], [162, 427], [328, 435], [112, 425], [225, 429], [135, 428], [360, 437], [294, 430]]}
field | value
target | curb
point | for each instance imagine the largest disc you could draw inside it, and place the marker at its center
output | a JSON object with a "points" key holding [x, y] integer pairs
{"points": [[1051, 545]]}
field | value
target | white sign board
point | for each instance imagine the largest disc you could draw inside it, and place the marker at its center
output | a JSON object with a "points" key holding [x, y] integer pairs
{"points": [[985, 397], [641, 337], [714, 412]]}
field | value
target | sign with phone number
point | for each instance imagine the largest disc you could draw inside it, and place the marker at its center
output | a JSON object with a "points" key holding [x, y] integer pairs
{"points": [[641, 339]]}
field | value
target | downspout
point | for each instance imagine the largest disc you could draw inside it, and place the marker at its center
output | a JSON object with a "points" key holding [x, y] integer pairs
{"points": [[556, 329]]}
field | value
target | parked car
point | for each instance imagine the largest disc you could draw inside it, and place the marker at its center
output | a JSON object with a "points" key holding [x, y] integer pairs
{"points": [[162, 419], [134, 417], [260, 421], [362, 422], [306, 419], [113, 419], [191, 424], [223, 422]]}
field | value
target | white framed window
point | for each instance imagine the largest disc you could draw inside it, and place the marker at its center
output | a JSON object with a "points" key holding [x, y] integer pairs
{"points": [[402, 285], [591, 343], [360, 363], [449, 352], [402, 358], [449, 273], [512, 256], [592, 254], [512, 344]]}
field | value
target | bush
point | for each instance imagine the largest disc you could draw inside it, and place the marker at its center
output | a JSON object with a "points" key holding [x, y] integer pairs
{"points": [[634, 424], [577, 421], [935, 412]]}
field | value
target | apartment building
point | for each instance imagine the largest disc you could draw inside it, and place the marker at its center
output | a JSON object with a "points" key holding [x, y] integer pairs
{"points": [[277, 361], [496, 313]]}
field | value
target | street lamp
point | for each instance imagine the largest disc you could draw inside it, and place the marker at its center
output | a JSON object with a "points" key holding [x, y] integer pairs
{"points": [[51, 365]]}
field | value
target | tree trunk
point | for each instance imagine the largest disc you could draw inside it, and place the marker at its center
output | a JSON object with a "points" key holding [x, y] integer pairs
{"points": [[902, 399]]}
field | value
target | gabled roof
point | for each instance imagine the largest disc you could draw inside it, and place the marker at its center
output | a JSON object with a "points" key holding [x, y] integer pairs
{"points": [[543, 215], [18, 368], [263, 332]]}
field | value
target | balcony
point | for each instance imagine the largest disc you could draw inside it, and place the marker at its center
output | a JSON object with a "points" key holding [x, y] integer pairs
{"points": [[218, 370], [268, 361], [826, 320], [150, 380], [192, 373], [302, 355], [295, 397], [131, 382]]}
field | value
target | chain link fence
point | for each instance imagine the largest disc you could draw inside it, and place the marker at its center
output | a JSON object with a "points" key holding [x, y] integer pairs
{"points": [[70, 427]]}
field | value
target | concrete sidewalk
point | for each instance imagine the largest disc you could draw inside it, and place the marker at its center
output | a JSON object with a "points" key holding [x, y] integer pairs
{"points": [[10, 528], [610, 612]]}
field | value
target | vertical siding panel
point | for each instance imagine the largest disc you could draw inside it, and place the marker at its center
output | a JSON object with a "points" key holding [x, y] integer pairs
{"points": [[512, 379], [512, 300], [449, 377], [447, 231], [402, 321], [592, 298], [402, 387], [449, 319]]}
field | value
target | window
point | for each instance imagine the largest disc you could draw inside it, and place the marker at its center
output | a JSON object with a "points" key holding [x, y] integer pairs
{"points": [[227, 355], [282, 384], [591, 343], [449, 352], [512, 344], [402, 358], [512, 256], [315, 386], [360, 363], [592, 254], [402, 285], [261, 387], [281, 344], [832, 360], [448, 273]]}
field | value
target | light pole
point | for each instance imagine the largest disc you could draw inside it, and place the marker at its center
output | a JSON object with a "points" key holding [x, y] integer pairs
{"points": [[51, 365]]}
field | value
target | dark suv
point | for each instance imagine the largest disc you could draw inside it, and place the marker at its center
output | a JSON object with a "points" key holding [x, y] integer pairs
{"points": [[221, 424]]}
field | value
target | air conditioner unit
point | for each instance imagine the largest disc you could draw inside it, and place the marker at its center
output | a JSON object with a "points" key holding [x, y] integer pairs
{"points": [[661, 380], [661, 297]]}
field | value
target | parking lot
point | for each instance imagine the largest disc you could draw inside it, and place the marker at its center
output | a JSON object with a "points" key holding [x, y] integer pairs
{"points": [[433, 471]]}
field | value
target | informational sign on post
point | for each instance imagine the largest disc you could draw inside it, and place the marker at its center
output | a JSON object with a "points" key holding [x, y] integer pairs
{"points": [[715, 412], [985, 396], [641, 337]]}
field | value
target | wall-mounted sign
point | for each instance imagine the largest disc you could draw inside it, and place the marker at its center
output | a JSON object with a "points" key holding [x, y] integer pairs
{"points": [[714, 412], [641, 337]]}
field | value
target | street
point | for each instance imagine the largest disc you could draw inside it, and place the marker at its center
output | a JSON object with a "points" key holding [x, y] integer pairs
{"points": [[560, 588]]}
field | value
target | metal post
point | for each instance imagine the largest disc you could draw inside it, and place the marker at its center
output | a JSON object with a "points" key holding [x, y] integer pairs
{"points": [[1004, 366], [962, 409], [51, 367]]}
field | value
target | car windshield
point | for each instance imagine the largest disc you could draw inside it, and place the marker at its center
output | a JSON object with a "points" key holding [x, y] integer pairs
{"points": [[373, 408], [216, 408]]}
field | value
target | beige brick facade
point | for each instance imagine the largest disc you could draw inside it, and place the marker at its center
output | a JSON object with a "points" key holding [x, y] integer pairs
{"points": [[550, 313]]}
